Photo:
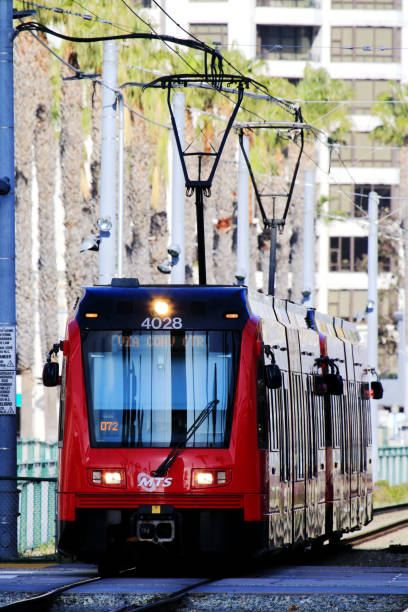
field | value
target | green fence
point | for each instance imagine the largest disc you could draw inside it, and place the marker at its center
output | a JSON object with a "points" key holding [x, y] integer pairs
{"points": [[37, 484], [393, 464]]}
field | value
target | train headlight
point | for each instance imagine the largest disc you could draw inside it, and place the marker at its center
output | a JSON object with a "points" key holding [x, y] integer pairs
{"points": [[113, 478], [161, 307], [203, 478], [107, 478], [211, 477]]}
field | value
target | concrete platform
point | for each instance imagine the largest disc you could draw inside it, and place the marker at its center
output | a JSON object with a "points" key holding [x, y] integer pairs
{"points": [[283, 580]]}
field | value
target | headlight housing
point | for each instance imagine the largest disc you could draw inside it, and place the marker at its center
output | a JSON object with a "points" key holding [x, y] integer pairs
{"points": [[107, 477], [213, 477]]}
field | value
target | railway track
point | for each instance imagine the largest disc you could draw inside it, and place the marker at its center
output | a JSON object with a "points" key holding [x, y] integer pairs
{"points": [[165, 603], [382, 530], [43, 601]]}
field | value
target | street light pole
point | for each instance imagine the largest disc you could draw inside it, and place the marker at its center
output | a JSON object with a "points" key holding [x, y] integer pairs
{"points": [[242, 270], [177, 191], [308, 240], [8, 459], [107, 254], [372, 314]]}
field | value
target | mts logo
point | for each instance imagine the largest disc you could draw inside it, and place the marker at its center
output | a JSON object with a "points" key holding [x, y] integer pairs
{"points": [[149, 483]]}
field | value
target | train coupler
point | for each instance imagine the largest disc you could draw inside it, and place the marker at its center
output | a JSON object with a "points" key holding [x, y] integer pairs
{"points": [[154, 523]]}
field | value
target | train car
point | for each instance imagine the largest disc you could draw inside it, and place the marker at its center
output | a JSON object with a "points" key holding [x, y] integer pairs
{"points": [[206, 419]]}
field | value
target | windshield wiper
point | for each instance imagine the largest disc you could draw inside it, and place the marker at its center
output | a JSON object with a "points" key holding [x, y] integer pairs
{"points": [[204, 414]]}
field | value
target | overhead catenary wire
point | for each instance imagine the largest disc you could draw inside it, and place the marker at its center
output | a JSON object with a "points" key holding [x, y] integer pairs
{"points": [[77, 71]]}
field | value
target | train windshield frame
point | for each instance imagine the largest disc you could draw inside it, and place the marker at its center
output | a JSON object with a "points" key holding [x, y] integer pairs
{"points": [[144, 389]]}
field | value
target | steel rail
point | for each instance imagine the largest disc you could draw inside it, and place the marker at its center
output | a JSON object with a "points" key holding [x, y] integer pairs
{"points": [[165, 603], [41, 602], [374, 534], [391, 508]]}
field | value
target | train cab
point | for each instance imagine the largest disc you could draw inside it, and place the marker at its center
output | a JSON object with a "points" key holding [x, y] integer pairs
{"points": [[206, 420]]}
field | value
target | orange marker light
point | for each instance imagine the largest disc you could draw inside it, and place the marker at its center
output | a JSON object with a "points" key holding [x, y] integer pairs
{"points": [[91, 315], [231, 315]]}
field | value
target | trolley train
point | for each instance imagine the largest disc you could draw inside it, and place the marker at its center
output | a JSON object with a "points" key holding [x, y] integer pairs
{"points": [[207, 419]]}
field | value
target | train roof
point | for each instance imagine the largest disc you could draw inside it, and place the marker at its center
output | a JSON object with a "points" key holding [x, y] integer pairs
{"points": [[129, 304], [200, 306]]}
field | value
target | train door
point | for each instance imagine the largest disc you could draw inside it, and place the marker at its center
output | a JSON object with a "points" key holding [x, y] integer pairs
{"points": [[365, 458], [278, 440], [281, 350], [315, 467], [280, 506], [345, 460], [299, 434], [285, 461], [355, 454]]}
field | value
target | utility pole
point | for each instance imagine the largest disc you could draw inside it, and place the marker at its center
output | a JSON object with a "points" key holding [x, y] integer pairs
{"points": [[372, 313], [121, 180], [242, 270], [107, 220], [402, 361], [8, 459], [177, 192], [308, 240]]}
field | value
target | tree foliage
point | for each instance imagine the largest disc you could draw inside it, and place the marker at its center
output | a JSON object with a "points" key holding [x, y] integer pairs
{"points": [[392, 110], [143, 60]]}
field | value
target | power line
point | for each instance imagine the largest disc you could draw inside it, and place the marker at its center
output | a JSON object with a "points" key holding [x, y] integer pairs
{"points": [[91, 16], [154, 31]]}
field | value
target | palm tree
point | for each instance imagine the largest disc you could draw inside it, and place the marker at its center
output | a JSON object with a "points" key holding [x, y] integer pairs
{"points": [[392, 110]]}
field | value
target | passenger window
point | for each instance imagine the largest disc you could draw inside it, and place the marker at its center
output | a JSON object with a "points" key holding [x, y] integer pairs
{"points": [[61, 419], [312, 411], [262, 407], [284, 430], [299, 428], [275, 401]]}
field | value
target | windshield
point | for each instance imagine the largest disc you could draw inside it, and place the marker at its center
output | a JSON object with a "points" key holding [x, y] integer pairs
{"points": [[146, 388]]}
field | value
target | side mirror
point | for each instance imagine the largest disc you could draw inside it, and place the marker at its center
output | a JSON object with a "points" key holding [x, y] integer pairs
{"points": [[377, 389], [50, 375], [319, 385], [373, 390], [334, 384], [273, 376]]}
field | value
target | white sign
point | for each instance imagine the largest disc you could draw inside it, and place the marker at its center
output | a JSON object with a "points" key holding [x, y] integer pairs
{"points": [[7, 370], [7, 348], [7, 393]]}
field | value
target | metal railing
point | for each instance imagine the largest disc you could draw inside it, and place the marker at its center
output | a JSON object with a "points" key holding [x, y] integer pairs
{"points": [[393, 464], [31, 497]]}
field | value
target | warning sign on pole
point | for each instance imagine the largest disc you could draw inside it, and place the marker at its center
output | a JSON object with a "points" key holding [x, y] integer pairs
{"points": [[7, 370]]}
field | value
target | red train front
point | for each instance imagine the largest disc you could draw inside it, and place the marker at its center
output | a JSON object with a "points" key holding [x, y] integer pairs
{"points": [[141, 367], [179, 431]]}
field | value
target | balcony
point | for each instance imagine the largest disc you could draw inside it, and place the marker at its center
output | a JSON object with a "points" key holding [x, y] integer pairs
{"points": [[290, 3]]}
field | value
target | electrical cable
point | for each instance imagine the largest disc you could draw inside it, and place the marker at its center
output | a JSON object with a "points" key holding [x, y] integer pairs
{"points": [[284, 104], [161, 37]]}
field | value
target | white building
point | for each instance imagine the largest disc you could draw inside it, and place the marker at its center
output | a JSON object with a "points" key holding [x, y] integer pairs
{"points": [[358, 41]]}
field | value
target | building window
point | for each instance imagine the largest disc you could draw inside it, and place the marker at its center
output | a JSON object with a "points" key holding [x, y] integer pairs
{"points": [[381, 5], [371, 44], [347, 304], [359, 149], [361, 199], [348, 253], [365, 93], [211, 32], [290, 3], [352, 200], [285, 42]]}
